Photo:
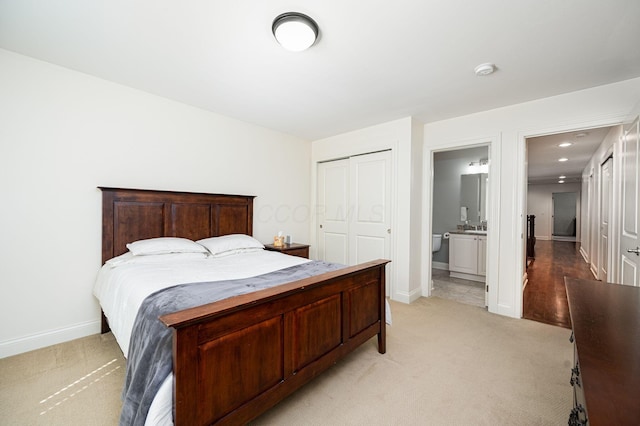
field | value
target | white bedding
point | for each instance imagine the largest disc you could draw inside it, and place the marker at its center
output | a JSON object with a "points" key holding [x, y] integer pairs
{"points": [[121, 289]]}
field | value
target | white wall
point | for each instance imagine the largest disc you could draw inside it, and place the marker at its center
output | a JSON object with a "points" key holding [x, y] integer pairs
{"points": [[64, 133], [507, 128], [404, 141], [540, 204]]}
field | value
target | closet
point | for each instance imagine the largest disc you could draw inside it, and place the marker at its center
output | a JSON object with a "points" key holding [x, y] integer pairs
{"points": [[354, 209]]}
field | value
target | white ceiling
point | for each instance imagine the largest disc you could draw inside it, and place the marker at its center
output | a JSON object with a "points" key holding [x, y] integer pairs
{"points": [[543, 153], [375, 61]]}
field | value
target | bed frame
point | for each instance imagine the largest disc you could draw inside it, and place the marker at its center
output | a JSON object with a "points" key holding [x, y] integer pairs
{"points": [[236, 358]]}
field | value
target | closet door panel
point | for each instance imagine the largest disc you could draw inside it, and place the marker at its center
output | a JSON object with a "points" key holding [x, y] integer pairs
{"points": [[333, 211]]}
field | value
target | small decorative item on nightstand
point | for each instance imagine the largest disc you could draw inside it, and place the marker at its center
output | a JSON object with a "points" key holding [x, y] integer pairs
{"points": [[293, 249]]}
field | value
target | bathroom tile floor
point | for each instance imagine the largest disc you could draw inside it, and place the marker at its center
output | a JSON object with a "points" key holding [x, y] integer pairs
{"points": [[463, 291]]}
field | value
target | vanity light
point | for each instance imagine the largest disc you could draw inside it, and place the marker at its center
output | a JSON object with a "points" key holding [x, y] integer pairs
{"points": [[481, 166], [295, 31], [563, 159], [565, 144]]}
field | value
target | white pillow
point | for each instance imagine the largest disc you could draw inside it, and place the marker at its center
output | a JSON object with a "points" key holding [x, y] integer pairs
{"points": [[229, 244], [236, 251], [164, 245], [129, 259]]}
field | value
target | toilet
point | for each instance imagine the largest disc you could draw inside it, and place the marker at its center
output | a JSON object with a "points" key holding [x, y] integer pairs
{"points": [[436, 241]]}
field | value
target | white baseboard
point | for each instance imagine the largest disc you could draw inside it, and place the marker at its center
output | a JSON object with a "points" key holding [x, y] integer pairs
{"points": [[470, 277], [440, 265], [560, 238], [584, 254], [594, 271], [407, 297], [52, 337]]}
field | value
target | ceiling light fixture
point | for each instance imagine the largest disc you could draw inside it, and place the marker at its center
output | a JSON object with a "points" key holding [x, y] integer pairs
{"points": [[295, 31], [485, 69], [563, 159], [562, 177], [565, 144], [560, 181]]}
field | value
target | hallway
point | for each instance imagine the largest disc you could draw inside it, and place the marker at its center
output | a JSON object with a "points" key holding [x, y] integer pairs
{"points": [[545, 298]]}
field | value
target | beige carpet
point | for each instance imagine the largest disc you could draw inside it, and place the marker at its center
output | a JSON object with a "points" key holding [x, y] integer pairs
{"points": [[446, 364]]}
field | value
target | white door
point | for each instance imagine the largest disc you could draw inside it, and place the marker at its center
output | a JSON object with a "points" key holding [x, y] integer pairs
{"points": [[333, 211], [370, 225], [354, 210], [630, 242], [606, 189]]}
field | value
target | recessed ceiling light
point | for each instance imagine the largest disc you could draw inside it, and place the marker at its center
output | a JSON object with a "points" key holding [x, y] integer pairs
{"points": [[485, 69], [295, 31], [565, 144], [562, 177], [560, 181], [563, 159]]}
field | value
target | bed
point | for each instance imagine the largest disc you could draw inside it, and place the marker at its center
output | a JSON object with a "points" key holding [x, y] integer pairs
{"points": [[286, 326]]}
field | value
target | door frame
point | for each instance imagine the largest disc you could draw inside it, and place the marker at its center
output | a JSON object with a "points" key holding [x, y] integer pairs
{"points": [[521, 181], [493, 211]]}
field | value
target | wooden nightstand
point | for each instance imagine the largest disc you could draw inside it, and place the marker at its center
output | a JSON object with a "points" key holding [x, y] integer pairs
{"points": [[293, 249]]}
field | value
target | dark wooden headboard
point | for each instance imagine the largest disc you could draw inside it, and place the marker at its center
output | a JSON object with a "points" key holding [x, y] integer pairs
{"points": [[134, 214]]}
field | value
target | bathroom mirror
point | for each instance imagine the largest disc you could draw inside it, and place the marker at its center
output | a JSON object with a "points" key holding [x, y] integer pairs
{"points": [[473, 196]]}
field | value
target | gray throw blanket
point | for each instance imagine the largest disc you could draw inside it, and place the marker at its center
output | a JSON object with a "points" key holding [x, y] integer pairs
{"points": [[150, 357]]}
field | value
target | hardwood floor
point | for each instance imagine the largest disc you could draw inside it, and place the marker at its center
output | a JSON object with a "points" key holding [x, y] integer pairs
{"points": [[545, 298]]}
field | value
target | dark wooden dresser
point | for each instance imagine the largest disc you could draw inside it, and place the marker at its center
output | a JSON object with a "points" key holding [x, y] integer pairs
{"points": [[606, 333]]}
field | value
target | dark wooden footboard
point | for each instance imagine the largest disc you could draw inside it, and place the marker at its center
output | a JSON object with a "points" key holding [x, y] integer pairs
{"points": [[236, 358]]}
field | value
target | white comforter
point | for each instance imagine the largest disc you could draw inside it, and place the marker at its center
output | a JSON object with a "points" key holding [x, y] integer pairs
{"points": [[123, 284]]}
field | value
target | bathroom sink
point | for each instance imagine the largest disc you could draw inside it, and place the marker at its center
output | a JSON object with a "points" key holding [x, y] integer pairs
{"points": [[474, 231]]}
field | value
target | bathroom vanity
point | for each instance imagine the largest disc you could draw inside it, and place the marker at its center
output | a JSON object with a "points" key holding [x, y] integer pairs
{"points": [[468, 255]]}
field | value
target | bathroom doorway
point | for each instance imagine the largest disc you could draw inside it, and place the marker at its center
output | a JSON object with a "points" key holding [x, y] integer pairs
{"points": [[459, 212]]}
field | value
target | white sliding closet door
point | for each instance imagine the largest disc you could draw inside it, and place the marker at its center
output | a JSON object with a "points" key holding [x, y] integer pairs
{"points": [[370, 224], [354, 209], [333, 211]]}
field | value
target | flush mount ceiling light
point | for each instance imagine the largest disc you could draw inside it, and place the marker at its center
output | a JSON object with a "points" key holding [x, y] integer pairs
{"points": [[562, 177], [485, 69], [565, 144], [560, 181], [295, 31], [563, 159]]}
